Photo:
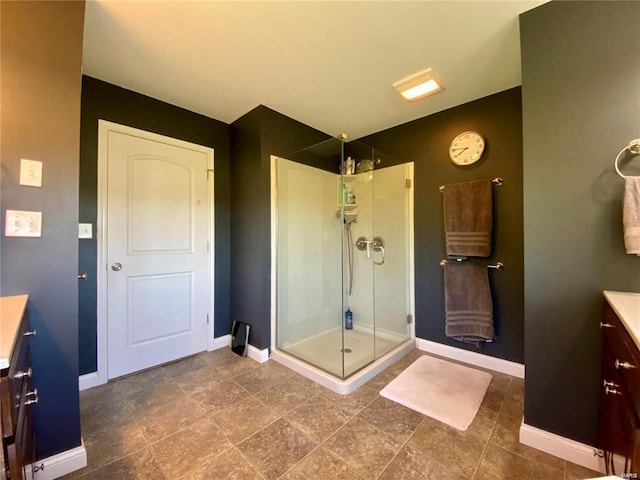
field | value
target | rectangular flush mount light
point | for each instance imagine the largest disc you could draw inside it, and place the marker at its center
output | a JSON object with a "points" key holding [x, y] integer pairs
{"points": [[418, 85]]}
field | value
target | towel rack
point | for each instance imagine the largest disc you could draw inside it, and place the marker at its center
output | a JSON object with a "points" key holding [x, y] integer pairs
{"points": [[497, 266], [634, 149], [498, 181]]}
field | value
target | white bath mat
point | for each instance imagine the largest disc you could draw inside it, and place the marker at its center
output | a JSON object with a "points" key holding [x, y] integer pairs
{"points": [[439, 389]]}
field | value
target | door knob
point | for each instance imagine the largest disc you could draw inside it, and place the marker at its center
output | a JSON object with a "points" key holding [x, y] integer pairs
{"points": [[82, 276], [116, 267]]}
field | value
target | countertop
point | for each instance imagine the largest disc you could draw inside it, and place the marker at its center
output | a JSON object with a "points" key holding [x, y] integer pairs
{"points": [[627, 307], [11, 311]]}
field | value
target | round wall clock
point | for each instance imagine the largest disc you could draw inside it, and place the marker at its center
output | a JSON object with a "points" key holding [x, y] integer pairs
{"points": [[467, 148]]}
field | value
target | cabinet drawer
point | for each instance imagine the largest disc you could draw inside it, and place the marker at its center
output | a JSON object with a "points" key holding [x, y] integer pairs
{"points": [[626, 358], [19, 374]]}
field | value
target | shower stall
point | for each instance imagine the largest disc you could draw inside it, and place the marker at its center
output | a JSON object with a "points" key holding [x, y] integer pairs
{"points": [[342, 262]]}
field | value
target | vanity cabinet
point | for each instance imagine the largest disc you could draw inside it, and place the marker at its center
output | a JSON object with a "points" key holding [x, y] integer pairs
{"points": [[16, 392], [619, 420]]}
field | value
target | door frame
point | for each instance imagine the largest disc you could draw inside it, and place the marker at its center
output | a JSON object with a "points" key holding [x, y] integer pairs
{"points": [[104, 127]]}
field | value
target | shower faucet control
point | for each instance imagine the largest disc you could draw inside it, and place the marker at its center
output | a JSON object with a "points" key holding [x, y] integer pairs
{"points": [[372, 246]]}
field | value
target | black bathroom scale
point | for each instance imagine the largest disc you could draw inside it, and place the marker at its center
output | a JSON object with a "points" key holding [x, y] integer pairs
{"points": [[240, 338]]}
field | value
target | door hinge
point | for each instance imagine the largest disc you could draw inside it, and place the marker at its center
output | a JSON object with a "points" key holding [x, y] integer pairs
{"points": [[409, 319], [208, 245], [407, 183], [207, 319], [209, 170]]}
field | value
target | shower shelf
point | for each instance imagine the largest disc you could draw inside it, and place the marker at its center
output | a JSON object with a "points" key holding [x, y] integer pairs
{"points": [[348, 178], [348, 206]]}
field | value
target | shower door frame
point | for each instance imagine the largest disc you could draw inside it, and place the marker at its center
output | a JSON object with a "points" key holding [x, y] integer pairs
{"points": [[358, 378]]}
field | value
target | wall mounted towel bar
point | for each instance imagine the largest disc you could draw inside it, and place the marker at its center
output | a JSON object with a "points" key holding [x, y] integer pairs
{"points": [[497, 266], [633, 148], [496, 182]]}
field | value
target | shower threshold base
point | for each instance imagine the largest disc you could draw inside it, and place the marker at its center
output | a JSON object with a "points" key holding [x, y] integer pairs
{"points": [[351, 383]]}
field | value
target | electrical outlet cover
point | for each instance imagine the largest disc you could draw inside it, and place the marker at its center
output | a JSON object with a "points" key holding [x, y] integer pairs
{"points": [[19, 223], [30, 173]]}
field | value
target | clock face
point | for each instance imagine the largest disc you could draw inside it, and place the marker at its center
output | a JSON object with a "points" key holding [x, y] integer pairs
{"points": [[466, 148]]}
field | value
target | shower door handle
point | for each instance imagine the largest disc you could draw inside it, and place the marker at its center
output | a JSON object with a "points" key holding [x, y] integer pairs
{"points": [[377, 244], [373, 258]]}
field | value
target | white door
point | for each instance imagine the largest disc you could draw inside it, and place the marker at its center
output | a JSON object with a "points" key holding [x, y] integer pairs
{"points": [[157, 234]]}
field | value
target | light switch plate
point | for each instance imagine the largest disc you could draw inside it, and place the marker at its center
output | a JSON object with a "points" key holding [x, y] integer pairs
{"points": [[30, 173], [85, 230], [19, 223]]}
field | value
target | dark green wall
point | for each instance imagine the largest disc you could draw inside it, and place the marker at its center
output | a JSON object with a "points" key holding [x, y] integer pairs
{"points": [[101, 100], [254, 138], [581, 106], [426, 142], [41, 52]]}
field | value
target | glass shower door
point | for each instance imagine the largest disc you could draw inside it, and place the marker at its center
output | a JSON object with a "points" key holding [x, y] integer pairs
{"points": [[377, 256], [391, 255], [309, 265]]}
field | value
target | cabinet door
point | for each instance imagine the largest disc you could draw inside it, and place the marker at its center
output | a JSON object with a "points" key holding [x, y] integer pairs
{"points": [[618, 424], [607, 424]]}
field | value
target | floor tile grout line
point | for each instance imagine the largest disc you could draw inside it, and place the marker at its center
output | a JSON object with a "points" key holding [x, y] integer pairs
{"points": [[128, 407], [508, 450], [401, 447], [316, 448], [197, 467], [321, 443], [204, 411], [343, 426], [150, 444], [255, 467], [529, 459], [149, 447], [301, 460], [94, 470], [258, 431], [493, 427], [334, 434], [486, 443]]}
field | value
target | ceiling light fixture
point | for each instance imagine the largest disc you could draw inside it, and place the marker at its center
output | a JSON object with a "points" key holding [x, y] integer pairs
{"points": [[417, 86]]}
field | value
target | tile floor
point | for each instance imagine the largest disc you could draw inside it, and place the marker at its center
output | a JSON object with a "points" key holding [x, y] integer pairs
{"points": [[219, 416]]}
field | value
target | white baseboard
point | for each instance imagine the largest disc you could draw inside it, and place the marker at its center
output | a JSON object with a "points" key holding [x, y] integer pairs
{"points": [[221, 342], [253, 353], [565, 448], [258, 355], [60, 464], [88, 380], [478, 359]]}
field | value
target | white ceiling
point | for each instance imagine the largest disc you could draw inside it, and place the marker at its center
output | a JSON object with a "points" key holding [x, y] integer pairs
{"points": [[327, 64]]}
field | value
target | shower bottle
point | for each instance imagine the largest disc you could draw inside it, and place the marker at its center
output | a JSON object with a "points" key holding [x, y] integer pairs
{"points": [[348, 319]]}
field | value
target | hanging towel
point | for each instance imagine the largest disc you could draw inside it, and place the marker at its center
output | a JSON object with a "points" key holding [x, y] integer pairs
{"points": [[468, 218], [631, 215], [467, 302]]}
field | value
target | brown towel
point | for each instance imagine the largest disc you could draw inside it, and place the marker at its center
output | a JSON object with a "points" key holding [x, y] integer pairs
{"points": [[468, 218], [467, 302]]}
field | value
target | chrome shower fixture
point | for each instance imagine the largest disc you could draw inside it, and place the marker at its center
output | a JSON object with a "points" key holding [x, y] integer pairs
{"points": [[348, 217]]}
